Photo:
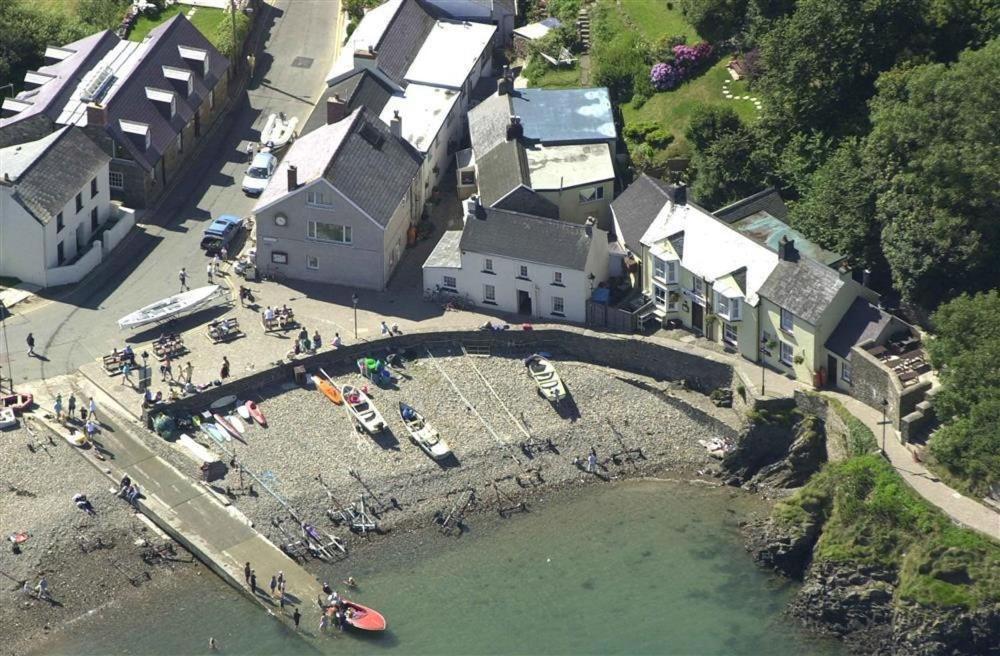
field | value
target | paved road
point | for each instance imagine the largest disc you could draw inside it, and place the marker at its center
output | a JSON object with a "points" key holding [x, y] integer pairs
{"points": [[296, 50]]}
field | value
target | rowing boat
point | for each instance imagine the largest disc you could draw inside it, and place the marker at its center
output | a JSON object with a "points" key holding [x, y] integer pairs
{"points": [[329, 390], [422, 433], [169, 307], [255, 412], [362, 617], [363, 410], [16, 402], [550, 385]]}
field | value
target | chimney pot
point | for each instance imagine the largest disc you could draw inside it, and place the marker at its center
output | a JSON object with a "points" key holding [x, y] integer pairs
{"points": [[677, 193], [293, 177], [396, 124], [786, 250], [514, 129]]}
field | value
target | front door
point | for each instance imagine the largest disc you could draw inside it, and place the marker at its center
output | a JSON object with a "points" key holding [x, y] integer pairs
{"points": [[697, 317], [523, 302], [831, 370]]}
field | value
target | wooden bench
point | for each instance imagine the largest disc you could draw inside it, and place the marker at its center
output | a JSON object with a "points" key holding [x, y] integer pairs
{"points": [[225, 330], [169, 346], [112, 364], [289, 323]]}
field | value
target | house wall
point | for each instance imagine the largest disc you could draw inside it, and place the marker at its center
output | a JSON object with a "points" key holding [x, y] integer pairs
{"points": [[68, 236], [571, 209], [439, 154], [802, 338], [22, 244], [359, 264], [394, 243]]}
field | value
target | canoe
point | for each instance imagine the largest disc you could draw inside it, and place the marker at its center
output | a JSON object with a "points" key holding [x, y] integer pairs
{"points": [[329, 390], [242, 410], [363, 410], [550, 385], [169, 307], [422, 433], [362, 617], [16, 402], [223, 402], [225, 425], [7, 418], [255, 412]]}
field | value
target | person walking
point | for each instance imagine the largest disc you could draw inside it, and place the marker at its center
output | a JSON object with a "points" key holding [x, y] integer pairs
{"points": [[246, 572], [208, 271], [224, 372], [31, 344], [296, 616], [215, 263], [274, 584], [324, 622], [385, 329], [92, 409], [253, 581], [58, 407], [71, 407], [183, 277], [188, 371], [42, 589], [127, 374], [224, 253], [167, 369]]}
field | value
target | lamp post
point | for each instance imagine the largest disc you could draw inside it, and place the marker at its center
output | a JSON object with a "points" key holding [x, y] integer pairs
{"points": [[354, 302], [763, 351], [6, 349], [885, 404]]}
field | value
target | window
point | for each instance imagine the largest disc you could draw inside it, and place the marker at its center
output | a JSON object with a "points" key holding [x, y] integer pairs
{"points": [[489, 294], [660, 296], [786, 353], [93, 220], [93, 187], [721, 305], [845, 372], [180, 141], [329, 232], [671, 272], [79, 201], [698, 288], [487, 265], [730, 333], [735, 309], [59, 222], [659, 269], [312, 262], [116, 180], [522, 272], [592, 194], [449, 284], [318, 198], [557, 278], [558, 308], [468, 177], [211, 98], [672, 298], [786, 320], [279, 257]]}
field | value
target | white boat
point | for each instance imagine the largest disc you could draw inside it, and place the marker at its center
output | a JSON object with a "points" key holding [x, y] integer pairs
{"points": [[278, 131], [550, 386], [422, 433], [169, 307], [7, 418], [362, 409]]}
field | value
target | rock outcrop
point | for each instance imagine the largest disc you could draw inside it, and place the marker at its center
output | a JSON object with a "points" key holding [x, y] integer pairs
{"points": [[778, 453]]}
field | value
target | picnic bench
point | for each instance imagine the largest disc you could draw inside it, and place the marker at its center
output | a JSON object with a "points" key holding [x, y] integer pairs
{"points": [[113, 363], [224, 330], [284, 319], [169, 346]]}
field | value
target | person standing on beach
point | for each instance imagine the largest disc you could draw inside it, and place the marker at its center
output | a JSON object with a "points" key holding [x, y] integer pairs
{"points": [[224, 372], [246, 572], [323, 623], [42, 589], [208, 271], [31, 344], [183, 277], [296, 616], [188, 371], [58, 407], [274, 584], [253, 581], [71, 407], [92, 409]]}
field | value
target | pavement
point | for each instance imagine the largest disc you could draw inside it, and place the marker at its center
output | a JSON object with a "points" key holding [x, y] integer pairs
{"points": [[11, 296]]}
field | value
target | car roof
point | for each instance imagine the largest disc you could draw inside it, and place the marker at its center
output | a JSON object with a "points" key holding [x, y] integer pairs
{"points": [[262, 159], [221, 222]]}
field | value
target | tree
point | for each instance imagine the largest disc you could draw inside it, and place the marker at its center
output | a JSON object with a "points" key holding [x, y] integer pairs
{"points": [[715, 20], [933, 149], [101, 14], [723, 163], [224, 34], [25, 31], [969, 447]]}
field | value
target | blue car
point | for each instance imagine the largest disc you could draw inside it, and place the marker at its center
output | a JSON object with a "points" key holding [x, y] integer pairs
{"points": [[221, 233]]}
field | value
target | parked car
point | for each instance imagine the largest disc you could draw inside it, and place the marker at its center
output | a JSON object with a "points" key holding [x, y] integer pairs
{"points": [[221, 233], [260, 171]]}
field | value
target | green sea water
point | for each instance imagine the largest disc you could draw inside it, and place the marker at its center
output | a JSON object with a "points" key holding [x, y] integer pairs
{"points": [[634, 568]]}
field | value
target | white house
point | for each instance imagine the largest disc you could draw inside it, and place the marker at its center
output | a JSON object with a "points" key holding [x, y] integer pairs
{"points": [[520, 264], [57, 221]]}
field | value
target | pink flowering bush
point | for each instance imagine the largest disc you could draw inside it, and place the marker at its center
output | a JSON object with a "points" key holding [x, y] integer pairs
{"points": [[664, 76], [687, 60]]}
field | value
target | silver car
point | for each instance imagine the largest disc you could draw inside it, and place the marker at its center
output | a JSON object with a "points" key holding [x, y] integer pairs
{"points": [[260, 171]]}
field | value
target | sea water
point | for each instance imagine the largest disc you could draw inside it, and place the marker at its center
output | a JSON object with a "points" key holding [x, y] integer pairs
{"points": [[645, 567]]}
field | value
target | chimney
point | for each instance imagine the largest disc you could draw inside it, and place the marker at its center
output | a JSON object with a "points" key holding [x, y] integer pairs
{"points": [[293, 177], [590, 223], [396, 124], [472, 207], [97, 115], [514, 129], [504, 86], [677, 193], [336, 109], [786, 250], [365, 58], [866, 276]]}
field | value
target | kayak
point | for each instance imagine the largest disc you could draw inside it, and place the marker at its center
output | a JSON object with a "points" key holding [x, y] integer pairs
{"points": [[254, 411], [329, 390], [225, 425], [242, 410], [364, 618]]}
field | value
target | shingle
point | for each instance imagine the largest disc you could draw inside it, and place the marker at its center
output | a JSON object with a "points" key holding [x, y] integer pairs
{"points": [[402, 40], [805, 288], [501, 171], [637, 207], [769, 200], [526, 201], [529, 238], [862, 322]]}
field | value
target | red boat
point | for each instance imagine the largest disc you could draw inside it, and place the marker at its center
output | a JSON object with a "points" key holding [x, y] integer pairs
{"points": [[16, 402], [362, 617], [255, 412]]}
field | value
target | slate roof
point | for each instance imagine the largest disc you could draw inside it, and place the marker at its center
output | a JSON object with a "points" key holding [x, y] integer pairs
{"points": [[49, 172], [447, 253], [862, 322], [402, 40], [636, 208], [529, 238], [769, 200], [526, 201], [488, 123], [502, 170], [804, 287], [360, 89]]}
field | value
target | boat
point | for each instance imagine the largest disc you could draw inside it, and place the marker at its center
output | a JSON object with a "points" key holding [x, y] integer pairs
{"points": [[17, 402], [550, 386], [243, 411], [422, 433], [7, 418], [169, 307], [278, 132], [362, 617], [363, 411], [224, 424], [255, 412], [329, 390]]}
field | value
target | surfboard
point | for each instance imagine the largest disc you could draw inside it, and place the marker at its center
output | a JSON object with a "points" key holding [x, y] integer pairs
{"points": [[223, 402], [243, 411], [236, 423]]}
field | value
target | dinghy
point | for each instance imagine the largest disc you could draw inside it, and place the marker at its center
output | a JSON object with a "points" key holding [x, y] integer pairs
{"points": [[236, 423], [550, 386], [363, 411], [423, 434], [16, 402], [255, 412], [7, 418], [169, 307], [361, 617], [243, 411], [278, 132], [329, 390]]}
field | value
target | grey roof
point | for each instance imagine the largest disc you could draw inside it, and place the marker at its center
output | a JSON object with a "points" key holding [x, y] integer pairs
{"points": [[53, 170], [502, 170], [131, 104], [769, 200], [565, 115], [529, 238], [636, 208], [804, 287], [769, 231], [403, 38], [488, 123], [526, 201], [447, 252], [862, 322], [360, 89], [373, 167]]}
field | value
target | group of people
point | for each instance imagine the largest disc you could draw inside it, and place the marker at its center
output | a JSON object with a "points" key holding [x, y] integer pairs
{"points": [[333, 605], [88, 413], [128, 490], [281, 317]]}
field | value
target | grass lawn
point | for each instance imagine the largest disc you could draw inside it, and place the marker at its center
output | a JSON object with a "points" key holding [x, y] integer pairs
{"points": [[655, 20], [205, 19], [559, 78], [61, 6]]}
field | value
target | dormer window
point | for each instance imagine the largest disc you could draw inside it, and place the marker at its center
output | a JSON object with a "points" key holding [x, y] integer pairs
{"points": [[181, 75], [138, 131], [195, 57], [168, 99]]}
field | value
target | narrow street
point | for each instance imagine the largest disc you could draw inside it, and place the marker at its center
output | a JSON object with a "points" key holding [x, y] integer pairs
{"points": [[297, 41]]}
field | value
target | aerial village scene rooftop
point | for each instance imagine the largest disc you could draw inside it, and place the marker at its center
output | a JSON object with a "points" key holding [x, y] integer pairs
{"points": [[475, 326]]}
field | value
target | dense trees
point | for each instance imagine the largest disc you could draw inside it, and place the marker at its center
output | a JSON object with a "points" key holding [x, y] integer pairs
{"points": [[715, 20], [25, 30], [724, 165], [101, 14]]}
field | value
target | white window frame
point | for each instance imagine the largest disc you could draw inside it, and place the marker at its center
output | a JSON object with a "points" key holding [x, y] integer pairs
{"points": [[783, 349], [698, 289], [659, 291], [672, 271], [118, 176], [522, 272], [489, 294], [845, 372], [449, 283], [312, 233], [317, 198], [721, 305], [730, 333], [791, 320], [557, 278], [312, 262], [659, 269], [592, 195], [558, 306], [488, 265]]}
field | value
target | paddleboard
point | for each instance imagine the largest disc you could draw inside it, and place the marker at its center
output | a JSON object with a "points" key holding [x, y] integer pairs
{"points": [[236, 423], [243, 411], [215, 432], [255, 412], [221, 422], [223, 402]]}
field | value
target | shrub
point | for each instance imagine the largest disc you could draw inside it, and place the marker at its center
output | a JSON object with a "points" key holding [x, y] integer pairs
{"points": [[684, 62], [224, 35]]}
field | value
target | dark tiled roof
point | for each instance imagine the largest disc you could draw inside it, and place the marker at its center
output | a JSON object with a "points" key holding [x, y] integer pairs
{"points": [[529, 238], [373, 167], [67, 163], [361, 89], [131, 104], [488, 123], [526, 201], [862, 322], [768, 200], [805, 288], [636, 208], [403, 39], [502, 170]]}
